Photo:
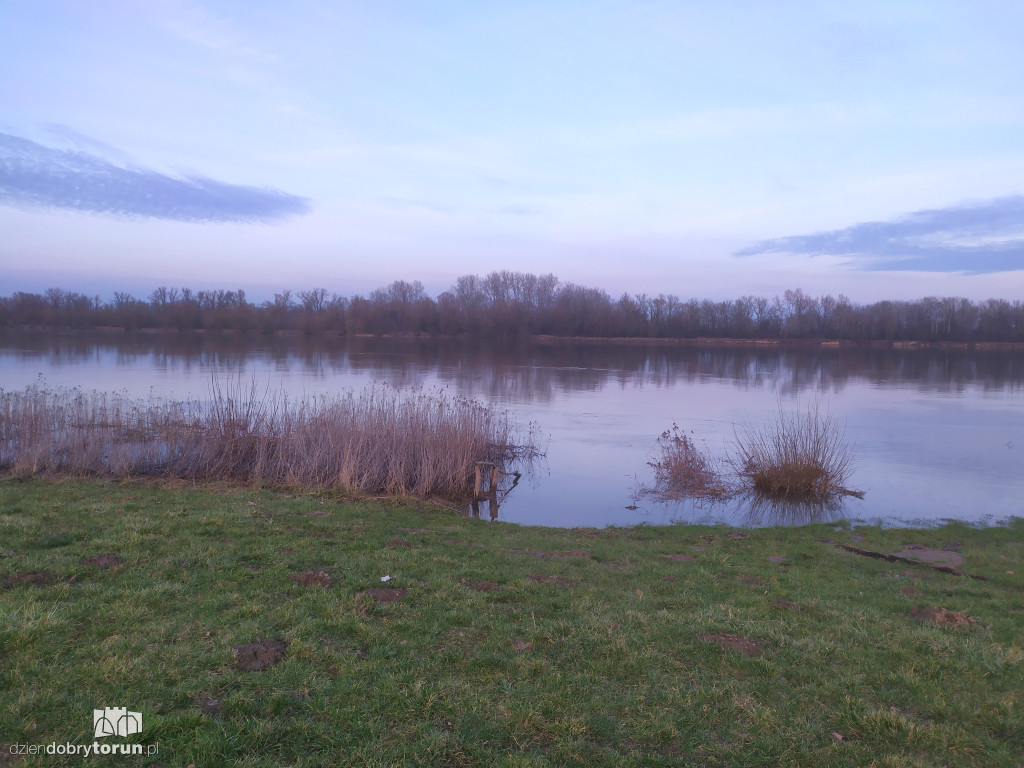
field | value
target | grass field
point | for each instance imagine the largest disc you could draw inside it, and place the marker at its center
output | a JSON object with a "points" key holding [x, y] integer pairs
{"points": [[493, 644]]}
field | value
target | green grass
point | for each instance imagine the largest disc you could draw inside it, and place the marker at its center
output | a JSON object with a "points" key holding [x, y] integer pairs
{"points": [[612, 671]]}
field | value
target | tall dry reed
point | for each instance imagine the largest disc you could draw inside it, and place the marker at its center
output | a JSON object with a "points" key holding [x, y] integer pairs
{"points": [[799, 457], [377, 440], [682, 469]]}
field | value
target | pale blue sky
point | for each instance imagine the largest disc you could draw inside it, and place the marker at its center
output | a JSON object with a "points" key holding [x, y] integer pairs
{"points": [[707, 149]]}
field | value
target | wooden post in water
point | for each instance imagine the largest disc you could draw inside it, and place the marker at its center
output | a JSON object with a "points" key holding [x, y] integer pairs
{"points": [[478, 479]]}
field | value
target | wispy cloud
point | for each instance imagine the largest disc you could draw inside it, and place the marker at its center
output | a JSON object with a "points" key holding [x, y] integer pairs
{"points": [[975, 238], [33, 175]]}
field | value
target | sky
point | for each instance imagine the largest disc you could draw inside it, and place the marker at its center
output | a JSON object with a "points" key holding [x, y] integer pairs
{"points": [[706, 148]]}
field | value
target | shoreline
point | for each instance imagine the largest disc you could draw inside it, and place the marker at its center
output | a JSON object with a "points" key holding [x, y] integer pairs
{"points": [[697, 341]]}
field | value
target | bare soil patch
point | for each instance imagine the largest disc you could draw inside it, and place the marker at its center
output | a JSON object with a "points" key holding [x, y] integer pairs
{"points": [[209, 706], [559, 580], [103, 560], [942, 617], [789, 605], [7, 758], [776, 559], [521, 646], [910, 592], [558, 555], [259, 655], [479, 586], [737, 643], [752, 580], [313, 579], [681, 558], [40, 578], [384, 594], [929, 555]]}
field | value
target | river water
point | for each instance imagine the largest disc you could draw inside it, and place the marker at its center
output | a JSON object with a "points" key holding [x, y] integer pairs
{"points": [[936, 434]]}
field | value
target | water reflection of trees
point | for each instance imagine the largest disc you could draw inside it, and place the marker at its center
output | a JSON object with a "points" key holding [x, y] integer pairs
{"points": [[525, 372]]}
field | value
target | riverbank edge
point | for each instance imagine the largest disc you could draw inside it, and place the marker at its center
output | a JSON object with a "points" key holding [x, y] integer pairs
{"points": [[647, 645], [700, 341]]}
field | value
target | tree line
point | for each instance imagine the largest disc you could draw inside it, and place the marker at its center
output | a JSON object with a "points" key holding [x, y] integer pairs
{"points": [[518, 304]]}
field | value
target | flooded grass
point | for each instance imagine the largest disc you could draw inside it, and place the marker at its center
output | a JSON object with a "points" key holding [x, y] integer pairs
{"points": [[245, 639], [375, 441]]}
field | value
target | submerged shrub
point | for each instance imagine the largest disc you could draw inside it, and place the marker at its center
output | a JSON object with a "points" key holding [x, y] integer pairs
{"points": [[377, 440], [799, 457], [683, 469]]}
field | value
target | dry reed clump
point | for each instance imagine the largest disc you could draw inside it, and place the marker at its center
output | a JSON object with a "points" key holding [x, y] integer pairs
{"points": [[377, 440], [683, 469], [800, 457]]}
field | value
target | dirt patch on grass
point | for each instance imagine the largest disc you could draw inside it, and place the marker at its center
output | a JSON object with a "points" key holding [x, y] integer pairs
{"points": [[942, 617], [737, 643], [929, 555], [39, 578], [313, 579], [789, 605], [7, 758], [557, 555], [417, 530], [752, 580], [479, 586], [259, 655], [103, 560], [776, 559], [559, 580], [209, 706], [681, 558], [521, 645], [326, 535], [910, 592], [384, 594]]}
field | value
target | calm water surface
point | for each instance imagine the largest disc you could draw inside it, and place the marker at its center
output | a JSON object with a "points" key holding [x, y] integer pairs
{"points": [[938, 434]]}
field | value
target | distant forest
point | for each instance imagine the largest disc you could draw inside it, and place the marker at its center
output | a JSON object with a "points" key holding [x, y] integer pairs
{"points": [[516, 304]]}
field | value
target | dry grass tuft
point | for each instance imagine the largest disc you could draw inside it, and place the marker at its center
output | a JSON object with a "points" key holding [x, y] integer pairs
{"points": [[375, 441], [800, 457], [684, 470]]}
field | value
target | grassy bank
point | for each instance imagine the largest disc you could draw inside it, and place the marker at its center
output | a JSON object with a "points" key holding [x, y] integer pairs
{"points": [[493, 644]]}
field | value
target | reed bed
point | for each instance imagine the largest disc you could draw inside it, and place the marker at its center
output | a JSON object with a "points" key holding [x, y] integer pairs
{"points": [[378, 440]]}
